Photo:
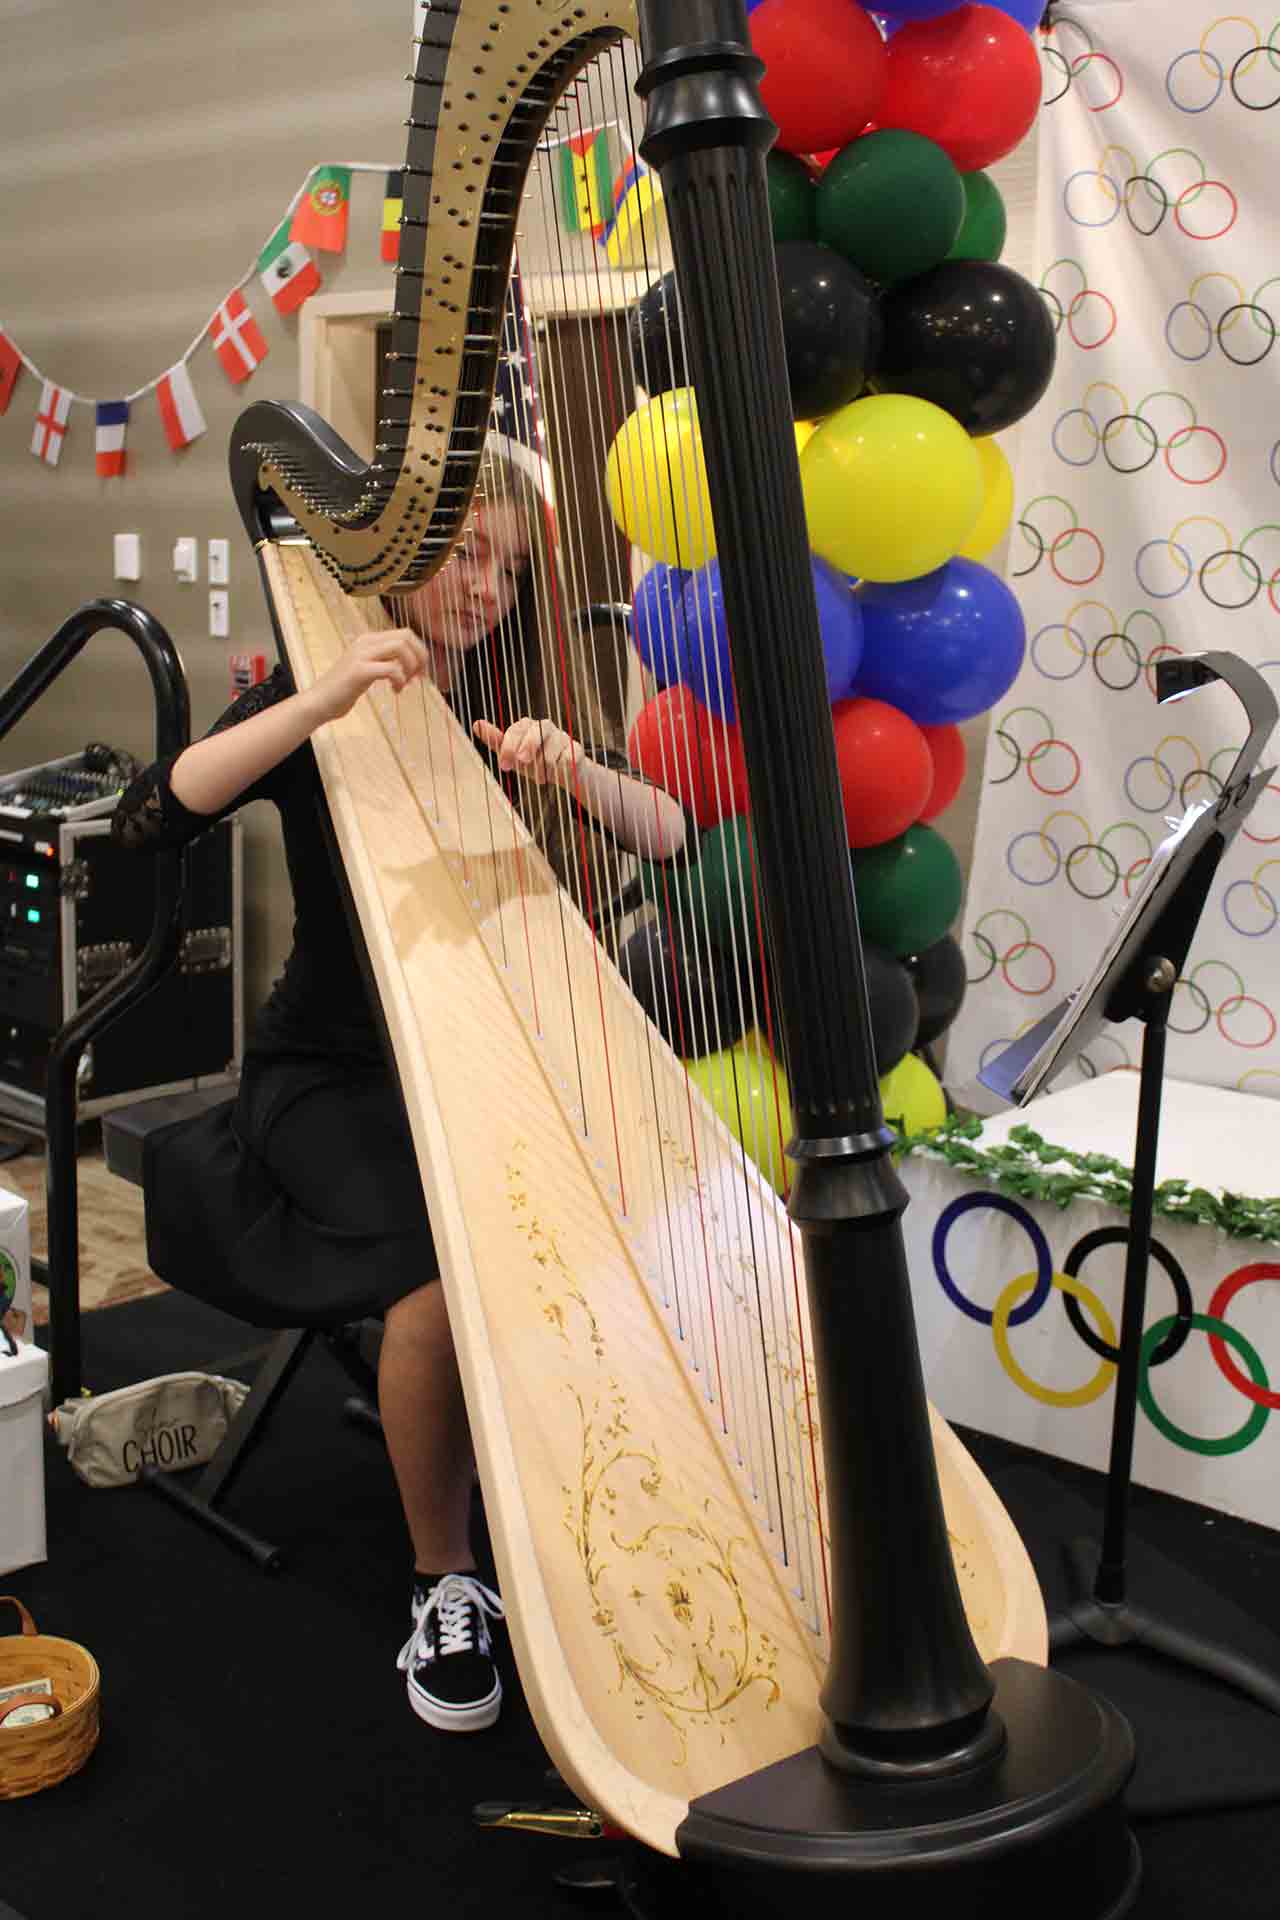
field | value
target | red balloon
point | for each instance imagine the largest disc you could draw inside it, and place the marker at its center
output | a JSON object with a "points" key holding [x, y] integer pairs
{"points": [[695, 756], [946, 748], [824, 70], [886, 769], [969, 80]]}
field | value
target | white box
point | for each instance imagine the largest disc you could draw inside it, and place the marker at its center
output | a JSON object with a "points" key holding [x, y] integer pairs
{"points": [[23, 1383], [15, 1260]]}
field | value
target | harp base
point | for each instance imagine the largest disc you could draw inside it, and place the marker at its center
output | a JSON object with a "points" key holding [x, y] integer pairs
{"points": [[1042, 1829]]}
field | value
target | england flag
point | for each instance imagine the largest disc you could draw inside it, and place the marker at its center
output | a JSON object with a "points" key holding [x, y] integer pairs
{"points": [[51, 423]]}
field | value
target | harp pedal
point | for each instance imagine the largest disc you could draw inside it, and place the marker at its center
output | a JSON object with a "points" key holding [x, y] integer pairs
{"points": [[541, 1816]]}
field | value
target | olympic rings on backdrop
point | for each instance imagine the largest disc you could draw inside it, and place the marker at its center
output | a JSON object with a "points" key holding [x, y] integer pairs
{"points": [[1080, 656], [1245, 1435], [1231, 1005], [1052, 1396], [968, 1203], [1038, 752], [1195, 53], [1161, 1342], [1203, 1008], [1027, 879], [1226, 1292], [1231, 318], [1269, 908], [1119, 1236], [1255, 106], [1032, 534]]}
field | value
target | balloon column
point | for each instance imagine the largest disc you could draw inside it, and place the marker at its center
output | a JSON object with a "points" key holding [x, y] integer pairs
{"points": [[908, 347]]}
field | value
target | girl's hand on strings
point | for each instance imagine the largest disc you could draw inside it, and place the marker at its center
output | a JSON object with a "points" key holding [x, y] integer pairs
{"points": [[537, 750], [397, 657]]}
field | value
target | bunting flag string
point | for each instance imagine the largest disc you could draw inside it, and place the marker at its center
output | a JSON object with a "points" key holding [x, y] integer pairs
{"points": [[316, 217]]}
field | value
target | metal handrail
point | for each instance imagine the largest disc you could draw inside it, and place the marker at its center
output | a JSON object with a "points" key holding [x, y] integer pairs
{"points": [[173, 733]]}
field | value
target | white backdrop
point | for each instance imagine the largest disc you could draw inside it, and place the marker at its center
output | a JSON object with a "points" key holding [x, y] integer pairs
{"points": [[1148, 482]]}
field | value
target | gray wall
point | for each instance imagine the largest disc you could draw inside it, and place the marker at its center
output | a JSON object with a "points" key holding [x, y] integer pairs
{"points": [[146, 155]]}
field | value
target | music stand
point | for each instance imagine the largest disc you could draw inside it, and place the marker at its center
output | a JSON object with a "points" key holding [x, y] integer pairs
{"points": [[1134, 979]]}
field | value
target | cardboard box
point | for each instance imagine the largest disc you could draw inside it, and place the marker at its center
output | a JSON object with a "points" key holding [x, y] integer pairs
{"points": [[23, 1384], [15, 1263]]}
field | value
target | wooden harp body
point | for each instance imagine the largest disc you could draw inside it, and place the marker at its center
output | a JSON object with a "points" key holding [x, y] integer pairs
{"points": [[626, 1290]]}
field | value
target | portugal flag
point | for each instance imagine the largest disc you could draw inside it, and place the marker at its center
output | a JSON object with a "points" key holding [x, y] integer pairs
{"points": [[321, 217]]}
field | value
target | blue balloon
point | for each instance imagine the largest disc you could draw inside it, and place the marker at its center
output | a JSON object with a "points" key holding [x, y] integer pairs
{"points": [[941, 648], [704, 652], [657, 621], [1027, 13]]}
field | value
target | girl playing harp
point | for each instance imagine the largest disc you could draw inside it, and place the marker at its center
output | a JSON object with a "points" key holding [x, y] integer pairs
{"points": [[301, 1203]]}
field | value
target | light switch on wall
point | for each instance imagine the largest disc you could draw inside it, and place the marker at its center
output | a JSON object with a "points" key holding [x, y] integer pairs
{"points": [[186, 559], [219, 613], [219, 562], [126, 554]]}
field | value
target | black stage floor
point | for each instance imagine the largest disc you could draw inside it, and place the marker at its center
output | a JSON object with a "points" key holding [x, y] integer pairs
{"points": [[258, 1754]]}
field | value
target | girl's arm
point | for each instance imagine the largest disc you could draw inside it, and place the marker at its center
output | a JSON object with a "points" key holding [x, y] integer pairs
{"points": [[641, 817], [211, 774]]}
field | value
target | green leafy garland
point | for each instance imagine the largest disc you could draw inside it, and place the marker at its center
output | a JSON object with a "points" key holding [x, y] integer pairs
{"points": [[1033, 1169]]}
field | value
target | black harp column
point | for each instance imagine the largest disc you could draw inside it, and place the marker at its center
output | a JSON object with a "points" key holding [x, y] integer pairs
{"points": [[908, 1700]]}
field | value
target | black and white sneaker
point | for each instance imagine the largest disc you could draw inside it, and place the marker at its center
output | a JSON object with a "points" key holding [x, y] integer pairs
{"points": [[452, 1679]]}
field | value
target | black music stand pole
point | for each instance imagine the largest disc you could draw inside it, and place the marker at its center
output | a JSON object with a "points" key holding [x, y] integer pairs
{"points": [[1135, 981]]}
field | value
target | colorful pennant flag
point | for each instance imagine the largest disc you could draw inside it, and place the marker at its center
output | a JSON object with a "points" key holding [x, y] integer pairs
{"points": [[638, 226], [585, 181], [112, 425], [287, 271], [392, 208], [51, 423], [10, 368], [237, 339], [179, 408], [320, 219]]}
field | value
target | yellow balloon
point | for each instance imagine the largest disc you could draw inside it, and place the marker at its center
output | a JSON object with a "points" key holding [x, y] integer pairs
{"points": [[805, 430], [892, 486], [740, 1085], [996, 511], [912, 1097], [656, 481]]}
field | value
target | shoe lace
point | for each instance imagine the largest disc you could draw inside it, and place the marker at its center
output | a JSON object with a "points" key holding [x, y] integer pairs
{"points": [[458, 1604]]}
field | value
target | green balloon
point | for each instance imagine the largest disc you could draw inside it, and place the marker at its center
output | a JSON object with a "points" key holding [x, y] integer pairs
{"points": [[981, 236], [908, 891], [892, 203], [793, 209], [711, 899]]}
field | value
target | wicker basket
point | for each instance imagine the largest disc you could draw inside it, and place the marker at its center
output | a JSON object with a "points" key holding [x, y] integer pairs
{"points": [[41, 1755]]}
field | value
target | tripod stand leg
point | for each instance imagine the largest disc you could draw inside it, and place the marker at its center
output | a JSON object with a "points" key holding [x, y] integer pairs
{"points": [[1207, 1656]]}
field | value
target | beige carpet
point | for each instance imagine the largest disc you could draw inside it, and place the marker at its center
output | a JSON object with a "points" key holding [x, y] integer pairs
{"points": [[113, 1256]]}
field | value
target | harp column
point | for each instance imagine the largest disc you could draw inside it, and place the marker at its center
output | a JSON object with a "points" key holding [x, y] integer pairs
{"points": [[995, 1766]]}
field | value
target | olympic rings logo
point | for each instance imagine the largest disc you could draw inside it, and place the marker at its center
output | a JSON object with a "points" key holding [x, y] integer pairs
{"points": [[1023, 1298], [1131, 438], [1230, 576], [1071, 60], [1089, 316], [1217, 310], [1196, 79], [1075, 554], [1175, 182], [1241, 1020], [1036, 968]]}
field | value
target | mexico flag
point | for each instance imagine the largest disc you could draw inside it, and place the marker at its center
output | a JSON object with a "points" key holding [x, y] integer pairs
{"points": [[108, 443], [287, 271], [179, 408], [321, 216], [236, 338], [51, 423], [10, 368]]}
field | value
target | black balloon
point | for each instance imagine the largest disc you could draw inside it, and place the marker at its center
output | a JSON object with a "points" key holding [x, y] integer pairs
{"points": [[940, 979], [688, 991], [972, 336], [895, 1015], [655, 340], [831, 326]]}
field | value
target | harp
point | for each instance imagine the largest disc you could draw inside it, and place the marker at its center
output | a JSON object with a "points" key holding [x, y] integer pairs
{"points": [[727, 1526]]}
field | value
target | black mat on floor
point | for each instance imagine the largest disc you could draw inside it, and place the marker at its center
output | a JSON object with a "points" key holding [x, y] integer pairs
{"points": [[258, 1755]]}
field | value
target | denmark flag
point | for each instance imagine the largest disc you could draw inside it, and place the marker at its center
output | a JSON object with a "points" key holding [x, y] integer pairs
{"points": [[51, 423], [179, 408], [237, 340]]}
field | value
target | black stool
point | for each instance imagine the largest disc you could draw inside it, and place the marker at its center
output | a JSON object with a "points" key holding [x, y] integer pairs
{"points": [[124, 1137]]}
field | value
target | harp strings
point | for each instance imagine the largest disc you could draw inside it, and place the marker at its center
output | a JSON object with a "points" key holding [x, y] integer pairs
{"points": [[725, 1271]]}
